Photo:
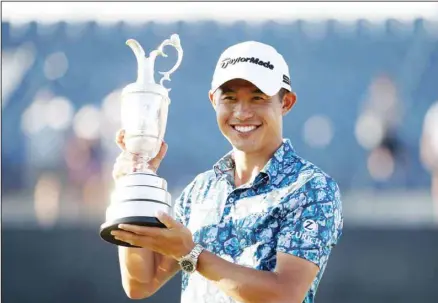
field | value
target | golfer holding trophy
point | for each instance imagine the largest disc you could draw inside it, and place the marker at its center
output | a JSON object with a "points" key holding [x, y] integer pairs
{"points": [[259, 226]]}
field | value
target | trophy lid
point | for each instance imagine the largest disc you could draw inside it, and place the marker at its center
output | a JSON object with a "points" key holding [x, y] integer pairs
{"points": [[145, 67]]}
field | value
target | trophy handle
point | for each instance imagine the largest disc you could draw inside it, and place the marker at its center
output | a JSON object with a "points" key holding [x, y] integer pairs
{"points": [[176, 43]]}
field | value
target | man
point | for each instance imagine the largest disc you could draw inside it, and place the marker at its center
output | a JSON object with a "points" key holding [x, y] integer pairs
{"points": [[259, 226]]}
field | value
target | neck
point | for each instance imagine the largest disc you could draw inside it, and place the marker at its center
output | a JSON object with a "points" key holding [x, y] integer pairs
{"points": [[249, 165]]}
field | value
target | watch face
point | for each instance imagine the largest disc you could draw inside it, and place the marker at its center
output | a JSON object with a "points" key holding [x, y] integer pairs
{"points": [[187, 266]]}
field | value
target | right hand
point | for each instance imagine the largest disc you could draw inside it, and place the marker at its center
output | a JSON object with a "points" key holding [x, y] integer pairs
{"points": [[126, 161]]}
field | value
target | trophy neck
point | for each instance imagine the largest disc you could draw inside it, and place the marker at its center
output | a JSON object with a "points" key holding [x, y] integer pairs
{"points": [[142, 166], [145, 71]]}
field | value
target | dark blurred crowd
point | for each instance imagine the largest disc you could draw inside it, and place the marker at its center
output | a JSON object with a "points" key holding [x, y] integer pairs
{"points": [[367, 107]]}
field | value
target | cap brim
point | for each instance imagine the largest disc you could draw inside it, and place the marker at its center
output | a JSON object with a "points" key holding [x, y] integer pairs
{"points": [[267, 86]]}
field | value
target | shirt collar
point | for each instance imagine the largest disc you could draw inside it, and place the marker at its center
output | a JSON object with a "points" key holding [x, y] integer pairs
{"points": [[224, 165], [282, 158]]}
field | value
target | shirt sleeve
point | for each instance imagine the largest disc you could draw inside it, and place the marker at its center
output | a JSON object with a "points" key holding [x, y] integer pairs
{"points": [[182, 203], [310, 230], [178, 209]]}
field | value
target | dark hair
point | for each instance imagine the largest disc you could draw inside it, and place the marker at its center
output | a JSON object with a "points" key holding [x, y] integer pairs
{"points": [[281, 93]]}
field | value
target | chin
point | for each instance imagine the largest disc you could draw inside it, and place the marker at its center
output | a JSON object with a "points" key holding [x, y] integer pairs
{"points": [[246, 147]]}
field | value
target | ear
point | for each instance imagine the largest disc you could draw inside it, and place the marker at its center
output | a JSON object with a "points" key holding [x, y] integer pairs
{"points": [[212, 100], [289, 100]]}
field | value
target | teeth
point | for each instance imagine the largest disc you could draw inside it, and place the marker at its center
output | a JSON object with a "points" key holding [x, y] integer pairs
{"points": [[244, 129]]}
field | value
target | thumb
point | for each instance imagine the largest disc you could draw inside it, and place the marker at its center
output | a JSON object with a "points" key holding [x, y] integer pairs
{"points": [[167, 220], [155, 162]]}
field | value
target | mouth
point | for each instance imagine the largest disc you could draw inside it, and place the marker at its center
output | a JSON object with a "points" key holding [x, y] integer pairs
{"points": [[245, 129]]}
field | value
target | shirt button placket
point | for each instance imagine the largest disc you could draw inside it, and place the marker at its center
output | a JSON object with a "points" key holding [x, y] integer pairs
{"points": [[229, 204]]}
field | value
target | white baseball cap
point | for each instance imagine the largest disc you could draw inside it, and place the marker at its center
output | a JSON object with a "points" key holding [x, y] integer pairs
{"points": [[255, 62]]}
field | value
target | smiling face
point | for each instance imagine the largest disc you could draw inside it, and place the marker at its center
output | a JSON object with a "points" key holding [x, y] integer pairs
{"points": [[250, 120]]}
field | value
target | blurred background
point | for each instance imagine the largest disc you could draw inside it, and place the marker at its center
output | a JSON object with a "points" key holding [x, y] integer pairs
{"points": [[366, 76]]}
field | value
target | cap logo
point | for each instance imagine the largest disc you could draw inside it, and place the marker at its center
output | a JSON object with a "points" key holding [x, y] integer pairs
{"points": [[286, 79], [228, 61]]}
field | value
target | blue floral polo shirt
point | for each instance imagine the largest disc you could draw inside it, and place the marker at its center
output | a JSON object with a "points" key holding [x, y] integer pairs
{"points": [[292, 206]]}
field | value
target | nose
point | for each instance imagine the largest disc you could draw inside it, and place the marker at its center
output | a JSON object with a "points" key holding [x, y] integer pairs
{"points": [[243, 111]]}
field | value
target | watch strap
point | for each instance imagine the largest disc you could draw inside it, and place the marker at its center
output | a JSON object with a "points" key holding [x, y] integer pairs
{"points": [[196, 251]]}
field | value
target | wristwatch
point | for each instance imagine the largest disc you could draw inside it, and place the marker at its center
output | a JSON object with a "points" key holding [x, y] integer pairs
{"points": [[188, 262]]}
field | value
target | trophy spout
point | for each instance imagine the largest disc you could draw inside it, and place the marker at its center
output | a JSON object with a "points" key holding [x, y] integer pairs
{"points": [[140, 56]]}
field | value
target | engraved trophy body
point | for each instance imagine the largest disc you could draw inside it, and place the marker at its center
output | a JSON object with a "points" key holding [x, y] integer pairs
{"points": [[141, 193]]}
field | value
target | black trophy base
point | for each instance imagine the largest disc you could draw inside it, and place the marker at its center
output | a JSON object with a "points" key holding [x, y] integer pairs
{"points": [[108, 227]]}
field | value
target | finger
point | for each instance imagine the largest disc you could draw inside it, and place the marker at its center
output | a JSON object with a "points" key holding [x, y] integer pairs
{"points": [[155, 162], [134, 239], [163, 150], [120, 136], [141, 230], [121, 234], [126, 236], [167, 220], [120, 139]]}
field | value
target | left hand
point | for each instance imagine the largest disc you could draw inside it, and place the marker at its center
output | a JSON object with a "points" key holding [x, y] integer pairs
{"points": [[174, 241]]}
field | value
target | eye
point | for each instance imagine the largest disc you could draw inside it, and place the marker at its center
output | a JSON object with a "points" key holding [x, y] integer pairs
{"points": [[228, 98], [259, 98]]}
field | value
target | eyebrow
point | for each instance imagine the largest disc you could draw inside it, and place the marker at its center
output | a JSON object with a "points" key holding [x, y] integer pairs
{"points": [[226, 90], [257, 91]]}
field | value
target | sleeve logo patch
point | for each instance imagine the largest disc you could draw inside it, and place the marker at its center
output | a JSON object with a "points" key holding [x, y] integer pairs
{"points": [[310, 226]]}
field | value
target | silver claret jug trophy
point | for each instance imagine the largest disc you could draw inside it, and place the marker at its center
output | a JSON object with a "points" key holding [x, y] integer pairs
{"points": [[141, 193]]}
